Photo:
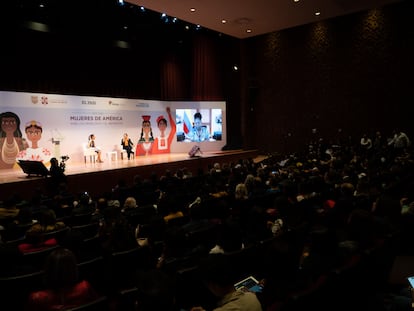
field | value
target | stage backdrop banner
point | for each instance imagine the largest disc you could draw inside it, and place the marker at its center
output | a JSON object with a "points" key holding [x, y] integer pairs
{"points": [[62, 124]]}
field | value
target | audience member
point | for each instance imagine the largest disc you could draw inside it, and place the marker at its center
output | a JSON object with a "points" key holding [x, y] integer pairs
{"points": [[18, 227], [84, 205], [229, 237], [47, 222], [8, 212], [365, 144], [63, 288], [216, 273], [37, 202], [35, 236], [170, 208], [155, 291], [320, 255], [198, 217], [10, 256], [98, 214], [116, 234]]}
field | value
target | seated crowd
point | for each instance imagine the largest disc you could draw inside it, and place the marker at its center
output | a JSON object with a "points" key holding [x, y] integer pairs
{"points": [[295, 222]]}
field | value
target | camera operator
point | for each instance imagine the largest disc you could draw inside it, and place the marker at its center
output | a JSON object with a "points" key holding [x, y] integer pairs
{"points": [[57, 173]]}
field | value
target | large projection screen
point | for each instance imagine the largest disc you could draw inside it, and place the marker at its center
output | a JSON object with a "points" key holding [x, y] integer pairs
{"points": [[66, 121]]}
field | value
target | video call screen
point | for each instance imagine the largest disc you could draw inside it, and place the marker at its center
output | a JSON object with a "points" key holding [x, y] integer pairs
{"points": [[190, 128]]}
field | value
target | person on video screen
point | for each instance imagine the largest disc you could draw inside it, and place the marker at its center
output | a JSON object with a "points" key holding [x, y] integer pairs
{"points": [[198, 132]]}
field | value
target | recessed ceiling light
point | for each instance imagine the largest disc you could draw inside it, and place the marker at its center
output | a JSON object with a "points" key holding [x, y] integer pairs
{"points": [[317, 13], [192, 10], [248, 30], [223, 21]]}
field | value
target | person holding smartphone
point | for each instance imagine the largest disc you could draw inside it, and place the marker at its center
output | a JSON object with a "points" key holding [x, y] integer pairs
{"points": [[402, 300], [216, 272]]}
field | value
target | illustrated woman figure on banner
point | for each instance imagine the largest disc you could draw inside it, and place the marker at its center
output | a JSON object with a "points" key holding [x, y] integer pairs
{"points": [[162, 143], [34, 132], [146, 140], [11, 141]]}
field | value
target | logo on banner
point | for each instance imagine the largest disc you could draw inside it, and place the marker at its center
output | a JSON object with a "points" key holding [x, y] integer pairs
{"points": [[34, 99]]}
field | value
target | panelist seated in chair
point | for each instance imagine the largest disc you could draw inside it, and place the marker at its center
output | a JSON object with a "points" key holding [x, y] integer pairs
{"points": [[92, 144], [127, 145]]}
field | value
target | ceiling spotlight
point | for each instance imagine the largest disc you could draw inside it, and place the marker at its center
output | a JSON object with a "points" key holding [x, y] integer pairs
{"points": [[223, 21], [121, 2], [192, 10], [165, 18], [248, 30]]}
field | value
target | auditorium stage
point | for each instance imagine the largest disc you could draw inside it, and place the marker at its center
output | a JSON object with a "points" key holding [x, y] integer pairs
{"points": [[97, 178]]}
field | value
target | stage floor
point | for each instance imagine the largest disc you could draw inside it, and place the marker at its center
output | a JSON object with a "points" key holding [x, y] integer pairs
{"points": [[16, 174], [88, 175]]}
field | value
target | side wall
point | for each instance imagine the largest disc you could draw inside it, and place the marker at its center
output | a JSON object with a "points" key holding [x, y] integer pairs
{"points": [[343, 77]]}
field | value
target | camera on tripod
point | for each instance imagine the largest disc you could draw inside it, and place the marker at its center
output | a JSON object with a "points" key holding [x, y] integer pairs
{"points": [[63, 159]]}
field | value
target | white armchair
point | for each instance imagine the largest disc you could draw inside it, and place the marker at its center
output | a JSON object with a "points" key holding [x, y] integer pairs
{"points": [[88, 152]]}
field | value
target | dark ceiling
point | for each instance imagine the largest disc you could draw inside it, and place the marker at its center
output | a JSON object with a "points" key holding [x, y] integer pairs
{"points": [[129, 21], [258, 16]]}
